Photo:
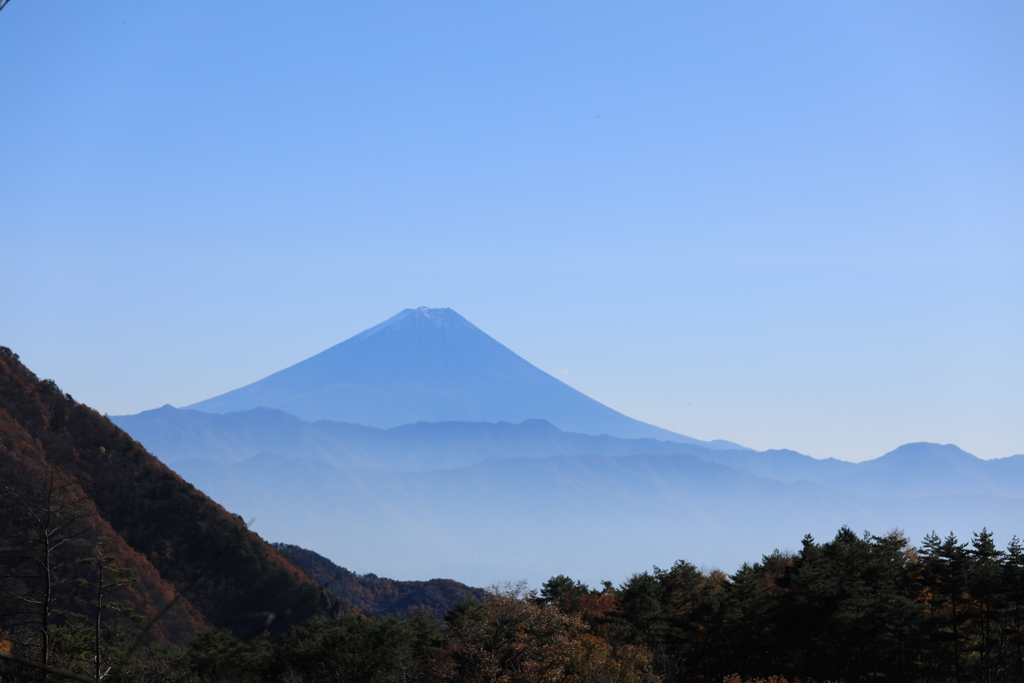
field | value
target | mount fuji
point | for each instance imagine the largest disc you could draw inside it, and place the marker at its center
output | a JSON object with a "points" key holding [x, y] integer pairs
{"points": [[430, 365], [423, 447]]}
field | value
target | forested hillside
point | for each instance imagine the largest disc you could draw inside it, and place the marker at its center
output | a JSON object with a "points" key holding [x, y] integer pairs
{"points": [[377, 595], [59, 455], [855, 609]]}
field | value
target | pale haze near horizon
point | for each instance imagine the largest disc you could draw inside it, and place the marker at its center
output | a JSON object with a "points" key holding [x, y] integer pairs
{"points": [[792, 226]]}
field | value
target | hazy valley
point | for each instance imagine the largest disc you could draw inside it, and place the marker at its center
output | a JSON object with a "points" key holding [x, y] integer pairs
{"points": [[524, 496]]}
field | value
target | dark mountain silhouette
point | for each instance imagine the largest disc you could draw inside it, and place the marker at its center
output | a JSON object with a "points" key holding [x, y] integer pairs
{"points": [[376, 595], [172, 535], [429, 365]]}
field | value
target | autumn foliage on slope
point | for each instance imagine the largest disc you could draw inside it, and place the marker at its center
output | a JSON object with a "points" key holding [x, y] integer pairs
{"points": [[513, 637], [169, 533], [378, 595], [27, 479]]}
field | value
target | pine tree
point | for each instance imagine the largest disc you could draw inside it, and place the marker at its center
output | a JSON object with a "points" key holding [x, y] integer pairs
{"points": [[109, 577]]}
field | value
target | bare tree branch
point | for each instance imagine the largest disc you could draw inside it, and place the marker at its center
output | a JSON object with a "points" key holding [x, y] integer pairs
{"points": [[43, 667]]}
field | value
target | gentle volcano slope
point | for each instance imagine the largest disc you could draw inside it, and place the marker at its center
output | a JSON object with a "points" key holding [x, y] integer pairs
{"points": [[429, 365]]}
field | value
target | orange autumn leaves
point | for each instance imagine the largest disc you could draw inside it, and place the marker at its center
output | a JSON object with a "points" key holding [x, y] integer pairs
{"points": [[511, 638]]}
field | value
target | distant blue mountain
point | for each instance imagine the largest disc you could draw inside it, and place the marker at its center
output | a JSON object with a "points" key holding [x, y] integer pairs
{"points": [[592, 517], [917, 470], [484, 502], [430, 365], [175, 435], [422, 447], [911, 471]]}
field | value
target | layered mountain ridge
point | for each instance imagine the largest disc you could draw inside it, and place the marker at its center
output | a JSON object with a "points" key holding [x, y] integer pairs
{"points": [[178, 435], [485, 502], [594, 516]]}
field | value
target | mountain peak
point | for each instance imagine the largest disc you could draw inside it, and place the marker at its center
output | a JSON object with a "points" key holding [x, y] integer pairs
{"points": [[428, 312], [436, 316], [925, 452], [439, 317], [430, 365]]}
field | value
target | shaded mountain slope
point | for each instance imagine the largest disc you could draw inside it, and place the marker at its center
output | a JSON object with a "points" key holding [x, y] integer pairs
{"points": [[183, 535], [29, 485], [429, 365], [377, 595]]}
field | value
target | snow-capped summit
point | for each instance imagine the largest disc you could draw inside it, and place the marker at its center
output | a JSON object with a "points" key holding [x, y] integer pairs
{"points": [[431, 365]]}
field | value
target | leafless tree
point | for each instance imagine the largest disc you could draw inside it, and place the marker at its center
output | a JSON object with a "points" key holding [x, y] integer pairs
{"points": [[41, 520]]}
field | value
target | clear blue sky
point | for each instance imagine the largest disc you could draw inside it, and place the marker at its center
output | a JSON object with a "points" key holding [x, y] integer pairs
{"points": [[793, 225]]}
